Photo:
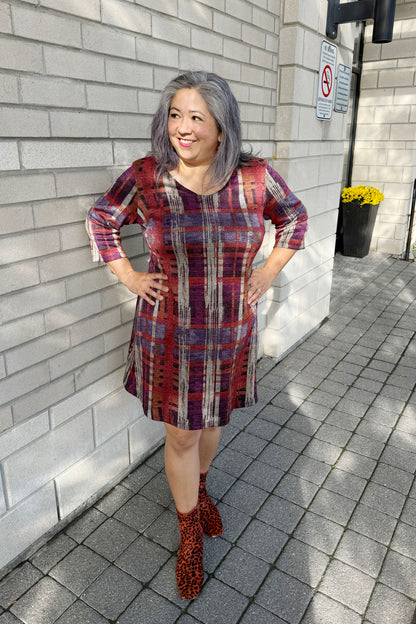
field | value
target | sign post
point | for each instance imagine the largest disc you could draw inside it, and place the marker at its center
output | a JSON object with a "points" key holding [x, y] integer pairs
{"points": [[327, 65]]}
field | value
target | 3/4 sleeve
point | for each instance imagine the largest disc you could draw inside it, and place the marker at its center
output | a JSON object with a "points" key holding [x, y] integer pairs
{"points": [[286, 212], [115, 208]]}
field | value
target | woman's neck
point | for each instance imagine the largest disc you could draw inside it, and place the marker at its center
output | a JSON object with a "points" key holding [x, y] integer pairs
{"points": [[194, 178]]}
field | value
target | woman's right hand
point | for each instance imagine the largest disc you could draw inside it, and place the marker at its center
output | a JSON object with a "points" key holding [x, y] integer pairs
{"points": [[146, 285]]}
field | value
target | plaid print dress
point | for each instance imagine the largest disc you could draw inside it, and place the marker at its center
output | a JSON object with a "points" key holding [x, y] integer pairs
{"points": [[192, 356]]}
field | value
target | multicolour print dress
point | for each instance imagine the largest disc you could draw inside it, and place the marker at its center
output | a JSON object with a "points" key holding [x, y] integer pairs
{"points": [[192, 356]]}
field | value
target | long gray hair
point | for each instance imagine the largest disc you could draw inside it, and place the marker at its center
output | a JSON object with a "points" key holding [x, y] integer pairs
{"points": [[223, 107]]}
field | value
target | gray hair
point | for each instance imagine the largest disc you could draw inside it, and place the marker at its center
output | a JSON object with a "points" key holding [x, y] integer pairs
{"points": [[223, 107]]}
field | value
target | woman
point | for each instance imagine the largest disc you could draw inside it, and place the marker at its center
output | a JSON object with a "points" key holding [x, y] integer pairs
{"points": [[201, 202]]}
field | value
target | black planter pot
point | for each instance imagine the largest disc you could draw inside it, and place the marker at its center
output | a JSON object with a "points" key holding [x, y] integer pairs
{"points": [[357, 228]]}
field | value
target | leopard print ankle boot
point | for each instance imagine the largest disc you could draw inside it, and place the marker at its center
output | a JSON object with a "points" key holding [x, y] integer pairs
{"points": [[210, 516], [189, 568]]}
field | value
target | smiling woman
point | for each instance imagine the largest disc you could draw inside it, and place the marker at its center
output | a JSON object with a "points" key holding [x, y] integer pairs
{"points": [[201, 202]]}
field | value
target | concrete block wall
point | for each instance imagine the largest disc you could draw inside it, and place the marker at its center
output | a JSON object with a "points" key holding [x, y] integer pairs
{"points": [[309, 155], [385, 153], [79, 82]]}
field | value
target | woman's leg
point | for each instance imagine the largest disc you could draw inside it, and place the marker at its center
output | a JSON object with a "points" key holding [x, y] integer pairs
{"points": [[182, 470], [210, 517], [182, 466], [208, 445]]}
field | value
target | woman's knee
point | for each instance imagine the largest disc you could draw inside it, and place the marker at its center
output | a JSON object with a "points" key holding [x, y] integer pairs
{"points": [[182, 439]]}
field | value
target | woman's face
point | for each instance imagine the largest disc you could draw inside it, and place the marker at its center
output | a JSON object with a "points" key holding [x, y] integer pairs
{"points": [[192, 129]]}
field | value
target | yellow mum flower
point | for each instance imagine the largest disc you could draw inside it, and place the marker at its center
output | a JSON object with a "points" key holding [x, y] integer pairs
{"points": [[362, 194]]}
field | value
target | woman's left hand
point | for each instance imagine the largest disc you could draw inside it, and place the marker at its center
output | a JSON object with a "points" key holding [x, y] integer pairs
{"points": [[260, 281]]}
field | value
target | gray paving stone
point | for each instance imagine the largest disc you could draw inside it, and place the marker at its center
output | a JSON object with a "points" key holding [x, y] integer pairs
{"points": [[9, 618], [157, 460], [52, 552], [111, 539], [365, 446], [247, 444], [233, 520], [303, 562], [231, 462], [303, 424], [79, 569], [310, 469], [319, 532], [296, 490], [334, 387], [263, 428], [245, 497], [347, 585], [373, 374], [373, 523], [389, 404], [165, 530], [403, 440], [111, 592], [399, 458], [150, 608], [389, 607], [214, 552], [218, 483], [345, 483], [298, 390], [138, 478], [399, 573], [342, 420], [242, 571], [143, 559], [164, 583], [113, 500], [79, 613], [187, 619], [275, 414], [313, 410], [333, 435], [371, 385], [284, 596], [373, 430], [342, 377], [262, 475], [218, 604], [278, 456], [356, 464], [333, 506], [262, 540], [409, 512], [352, 407], [407, 424], [138, 513], [280, 513], [157, 490], [287, 402], [228, 433], [384, 499], [324, 610], [393, 478], [17, 582], [361, 552], [258, 615], [404, 540], [43, 603], [323, 451], [83, 526], [291, 439]]}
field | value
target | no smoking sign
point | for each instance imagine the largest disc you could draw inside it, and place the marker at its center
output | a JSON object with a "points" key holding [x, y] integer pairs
{"points": [[327, 66]]}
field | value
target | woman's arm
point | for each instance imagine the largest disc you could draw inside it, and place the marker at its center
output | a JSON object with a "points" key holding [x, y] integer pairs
{"points": [[146, 285], [261, 279]]}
